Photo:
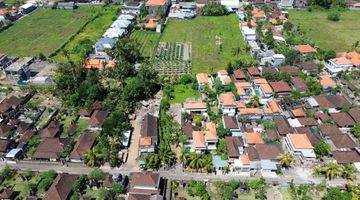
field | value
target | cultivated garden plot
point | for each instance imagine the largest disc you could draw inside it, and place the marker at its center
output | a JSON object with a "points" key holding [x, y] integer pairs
{"points": [[173, 58]]}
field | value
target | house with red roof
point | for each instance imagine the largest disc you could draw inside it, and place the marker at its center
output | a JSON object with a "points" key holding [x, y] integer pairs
{"points": [[154, 5]]}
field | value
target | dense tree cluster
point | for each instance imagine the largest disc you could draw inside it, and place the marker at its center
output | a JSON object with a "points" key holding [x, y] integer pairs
{"points": [[213, 9]]}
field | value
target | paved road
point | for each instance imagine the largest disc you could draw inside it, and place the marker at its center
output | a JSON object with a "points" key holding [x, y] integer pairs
{"points": [[173, 174]]}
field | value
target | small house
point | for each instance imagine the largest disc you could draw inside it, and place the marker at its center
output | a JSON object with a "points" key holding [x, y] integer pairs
{"points": [[148, 134], [301, 145]]}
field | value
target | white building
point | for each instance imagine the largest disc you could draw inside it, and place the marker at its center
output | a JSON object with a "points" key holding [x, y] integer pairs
{"points": [[248, 33], [337, 65], [277, 60], [301, 145]]}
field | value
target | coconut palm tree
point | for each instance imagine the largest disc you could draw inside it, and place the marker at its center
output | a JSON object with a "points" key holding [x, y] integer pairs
{"points": [[349, 172], [286, 159], [152, 161], [332, 170], [166, 156], [91, 158], [195, 161]]}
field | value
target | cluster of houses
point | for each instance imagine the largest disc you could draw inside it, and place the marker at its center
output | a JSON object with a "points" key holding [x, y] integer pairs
{"points": [[138, 185], [20, 129], [27, 70], [251, 145], [101, 59], [13, 13]]}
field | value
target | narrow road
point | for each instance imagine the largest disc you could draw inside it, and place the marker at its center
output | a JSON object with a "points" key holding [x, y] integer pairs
{"points": [[172, 174]]}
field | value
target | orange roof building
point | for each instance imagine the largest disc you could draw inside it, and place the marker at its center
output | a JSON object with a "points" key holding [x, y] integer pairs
{"points": [[4, 11], [203, 140], [254, 138], [194, 106], [227, 99], [298, 112], [305, 49], [300, 144], [327, 82], [202, 78], [275, 108], [154, 3], [151, 24], [258, 13], [94, 63]]}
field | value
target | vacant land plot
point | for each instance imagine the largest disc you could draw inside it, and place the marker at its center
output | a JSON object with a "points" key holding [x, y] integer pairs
{"points": [[92, 31], [205, 35], [44, 30], [329, 35], [148, 41]]}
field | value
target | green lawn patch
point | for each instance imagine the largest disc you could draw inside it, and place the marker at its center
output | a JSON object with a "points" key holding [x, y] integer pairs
{"points": [[329, 35], [203, 34], [44, 30], [148, 41], [183, 92], [92, 31]]}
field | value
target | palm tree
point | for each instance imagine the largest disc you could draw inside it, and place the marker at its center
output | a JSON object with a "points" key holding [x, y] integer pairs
{"points": [[91, 158], [166, 156], [208, 165], [152, 161], [349, 172], [332, 170], [195, 161], [286, 159], [254, 101]]}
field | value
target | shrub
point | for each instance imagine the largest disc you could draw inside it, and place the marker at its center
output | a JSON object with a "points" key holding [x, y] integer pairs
{"points": [[333, 16], [213, 9]]}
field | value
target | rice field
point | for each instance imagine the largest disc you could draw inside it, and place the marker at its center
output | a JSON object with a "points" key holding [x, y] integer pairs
{"points": [[148, 41]]}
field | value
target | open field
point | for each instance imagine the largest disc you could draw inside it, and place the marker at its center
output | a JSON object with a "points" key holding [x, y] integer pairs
{"points": [[203, 33], [148, 41], [44, 30], [329, 35], [92, 31]]}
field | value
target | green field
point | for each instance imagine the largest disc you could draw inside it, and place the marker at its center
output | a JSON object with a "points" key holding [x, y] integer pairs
{"points": [[92, 31], [44, 30], [326, 34], [202, 33], [148, 41], [183, 92]]}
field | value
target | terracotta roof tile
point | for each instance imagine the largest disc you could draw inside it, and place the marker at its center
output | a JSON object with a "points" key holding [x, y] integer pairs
{"points": [[300, 141], [305, 48], [227, 99], [280, 87], [202, 78], [254, 138], [327, 82], [342, 119]]}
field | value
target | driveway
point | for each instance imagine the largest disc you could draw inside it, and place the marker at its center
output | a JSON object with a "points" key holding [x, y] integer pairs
{"points": [[133, 151]]}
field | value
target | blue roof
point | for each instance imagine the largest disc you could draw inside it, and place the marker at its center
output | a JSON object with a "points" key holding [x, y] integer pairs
{"points": [[104, 43], [218, 162]]}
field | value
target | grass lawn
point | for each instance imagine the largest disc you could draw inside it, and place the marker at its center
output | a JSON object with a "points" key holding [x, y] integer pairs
{"points": [[183, 92], [44, 30], [92, 31], [202, 33], [329, 35], [148, 41]]}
